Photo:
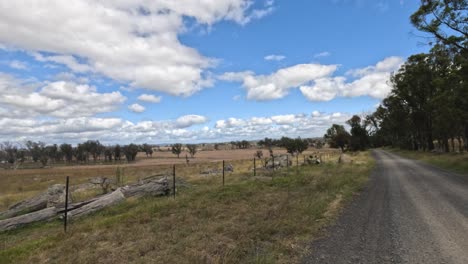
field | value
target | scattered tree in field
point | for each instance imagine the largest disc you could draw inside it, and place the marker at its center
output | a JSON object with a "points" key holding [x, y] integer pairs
{"points": [[244, 144], [294, 146], [148, 150], [34, 149], [337, 137], [130, 152], [67, 151], [176, 149], [192, 149]]}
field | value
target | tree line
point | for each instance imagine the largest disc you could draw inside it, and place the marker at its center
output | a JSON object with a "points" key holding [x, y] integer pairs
{"points": [[427, 108], [92, 150]]}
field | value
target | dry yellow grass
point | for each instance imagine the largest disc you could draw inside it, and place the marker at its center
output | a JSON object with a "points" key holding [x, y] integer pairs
{"points": [[17, 185], [250, 220]]}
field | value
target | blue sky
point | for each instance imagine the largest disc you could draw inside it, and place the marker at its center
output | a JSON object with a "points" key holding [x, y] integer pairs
{"points": [[218, 71]]}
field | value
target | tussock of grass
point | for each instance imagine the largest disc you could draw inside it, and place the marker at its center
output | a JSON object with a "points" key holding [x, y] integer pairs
{"points": [[457, 162], [248, 221]]}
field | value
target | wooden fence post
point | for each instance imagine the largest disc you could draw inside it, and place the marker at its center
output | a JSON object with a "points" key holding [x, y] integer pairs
{"points": [[223, 173], [65, 218], [255, 169], [173, 181]]}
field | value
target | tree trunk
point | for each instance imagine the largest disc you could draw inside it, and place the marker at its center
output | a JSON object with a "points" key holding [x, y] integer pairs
{"points": [[460, 144], [18, 221], [446, 145], [150, 186], [98, 204]]}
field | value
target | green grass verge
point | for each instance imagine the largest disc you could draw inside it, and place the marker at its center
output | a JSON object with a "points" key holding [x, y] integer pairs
{"points": [[250, 220], [456, 162]]}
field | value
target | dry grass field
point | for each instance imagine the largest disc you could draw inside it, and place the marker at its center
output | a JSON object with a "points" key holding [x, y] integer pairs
{"points": [[16, 185], [269, 218]]}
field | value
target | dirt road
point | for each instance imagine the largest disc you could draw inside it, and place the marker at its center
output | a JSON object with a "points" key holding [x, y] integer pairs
{"points": [[409, 213]]}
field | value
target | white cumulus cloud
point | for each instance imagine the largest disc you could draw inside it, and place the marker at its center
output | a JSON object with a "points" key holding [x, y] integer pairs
{"points": [[131, 41], [149, 98], [136, 108], [278, 84], [316, 81], [273, 57], [190, 120], [64, 99]]}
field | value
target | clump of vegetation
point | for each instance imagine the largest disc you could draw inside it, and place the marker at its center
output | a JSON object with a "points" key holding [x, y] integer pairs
{"points": [[176, 149], [192, 149]]}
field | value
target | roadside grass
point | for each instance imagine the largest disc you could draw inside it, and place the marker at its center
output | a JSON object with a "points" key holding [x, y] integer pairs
{"points": [[249, 220], [457, 162]]}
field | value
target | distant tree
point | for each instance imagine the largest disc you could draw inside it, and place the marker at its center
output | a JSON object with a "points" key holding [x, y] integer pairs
{"points": [[294, 146], [9, 151], [117, 151], [337, 137], [244, 144], [45, 153], [12, 154], [359, 139], [148, 150], [94, 147], [216, 146], [176, 149], [267, 143], [130, 152], [80, 152], [67, 151], [108, 153], [301, 145], [34, 149], [192, 149], [53, 152]]}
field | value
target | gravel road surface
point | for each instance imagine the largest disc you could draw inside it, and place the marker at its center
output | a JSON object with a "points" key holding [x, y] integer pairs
{"points": [[409, 212]]}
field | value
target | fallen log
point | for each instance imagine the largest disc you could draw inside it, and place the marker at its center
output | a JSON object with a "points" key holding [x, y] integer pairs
{"points": [[55, 195], [147, 187], [18, 221], [150, 187], [102, 202], [30, 205]]}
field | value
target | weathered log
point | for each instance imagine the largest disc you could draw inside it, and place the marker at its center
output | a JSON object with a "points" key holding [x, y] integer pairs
{"points": [[101, 202], [150, 187], [15, 222], [279, 161], [35, 203], [54, 196]]}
